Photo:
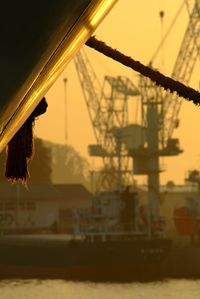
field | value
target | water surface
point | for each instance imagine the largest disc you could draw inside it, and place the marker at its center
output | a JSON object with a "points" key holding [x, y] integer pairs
{"points": [[60, 289]]}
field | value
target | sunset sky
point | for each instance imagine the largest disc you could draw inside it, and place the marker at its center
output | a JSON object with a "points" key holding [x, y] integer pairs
{"points": [[134, 28]]}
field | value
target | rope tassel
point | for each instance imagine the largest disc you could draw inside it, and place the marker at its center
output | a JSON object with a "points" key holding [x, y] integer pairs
{"points": [[20, 148], [159, 79]]}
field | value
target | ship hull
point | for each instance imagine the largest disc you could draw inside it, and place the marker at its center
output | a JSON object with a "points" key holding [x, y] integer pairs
{"points": [[77, 260], [125, 261], [182, 262], [95, 273]]}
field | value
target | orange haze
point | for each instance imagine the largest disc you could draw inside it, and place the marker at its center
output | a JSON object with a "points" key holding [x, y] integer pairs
{"points": [[135, 28]]}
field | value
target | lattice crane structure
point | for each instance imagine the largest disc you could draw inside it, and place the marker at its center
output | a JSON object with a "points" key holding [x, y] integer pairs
{"points": [[108, 110], [117, 140], [187, 57], [160, 111]]}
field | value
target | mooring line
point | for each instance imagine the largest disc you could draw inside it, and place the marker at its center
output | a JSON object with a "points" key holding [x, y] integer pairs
{"points": [[158, 78]]}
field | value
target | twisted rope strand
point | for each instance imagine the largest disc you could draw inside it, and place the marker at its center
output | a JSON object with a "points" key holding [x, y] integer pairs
{"points": [[159, 79]]}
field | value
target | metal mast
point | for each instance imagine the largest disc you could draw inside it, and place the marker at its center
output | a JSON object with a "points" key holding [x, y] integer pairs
{"points": [[160, 112]]}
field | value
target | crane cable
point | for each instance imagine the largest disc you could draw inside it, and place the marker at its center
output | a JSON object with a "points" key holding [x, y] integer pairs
{"points": [[167, 33], [158, 78]]}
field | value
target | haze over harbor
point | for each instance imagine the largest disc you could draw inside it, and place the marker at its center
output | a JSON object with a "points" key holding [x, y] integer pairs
{"points": [[132, 30]]}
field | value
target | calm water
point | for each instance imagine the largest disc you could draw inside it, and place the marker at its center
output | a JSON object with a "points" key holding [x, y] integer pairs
{"points": [[59, 289]]}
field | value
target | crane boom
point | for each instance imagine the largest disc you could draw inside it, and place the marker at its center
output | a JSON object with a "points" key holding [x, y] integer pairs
{"points": [[182, 71], [160, 111], [108, 111], [92, 89]]}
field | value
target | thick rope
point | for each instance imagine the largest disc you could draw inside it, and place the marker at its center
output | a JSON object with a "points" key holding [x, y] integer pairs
{"points": [[159, 79]]}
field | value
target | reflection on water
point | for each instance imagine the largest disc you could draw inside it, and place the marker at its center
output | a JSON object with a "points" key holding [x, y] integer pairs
{"points": [[60, 289]]}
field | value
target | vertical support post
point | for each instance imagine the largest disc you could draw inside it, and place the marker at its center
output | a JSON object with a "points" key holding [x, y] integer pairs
{"points": [[153, 161], [65, 109]]}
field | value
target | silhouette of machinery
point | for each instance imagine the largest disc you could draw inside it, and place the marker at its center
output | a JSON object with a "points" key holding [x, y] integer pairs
{"points": [[118, 141]]}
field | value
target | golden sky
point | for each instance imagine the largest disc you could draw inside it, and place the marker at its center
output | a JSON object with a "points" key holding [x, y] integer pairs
{"points": [[134, 28]]}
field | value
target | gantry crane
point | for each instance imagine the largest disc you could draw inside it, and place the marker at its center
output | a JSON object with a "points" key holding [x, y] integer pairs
{"points": [[108, 110], [160, 111], [159, 114]]}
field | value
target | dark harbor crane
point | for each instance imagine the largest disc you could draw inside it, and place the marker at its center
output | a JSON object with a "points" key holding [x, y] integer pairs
{"points": [[117, 140], [108, 110], [160, 111]]}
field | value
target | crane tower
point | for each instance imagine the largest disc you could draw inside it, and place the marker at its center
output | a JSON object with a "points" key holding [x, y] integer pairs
{"points": [[108, 110], [160, 111], [145, 143]]}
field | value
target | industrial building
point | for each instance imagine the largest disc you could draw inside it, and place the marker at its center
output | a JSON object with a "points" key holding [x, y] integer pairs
{"points": [[40, 208]]}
